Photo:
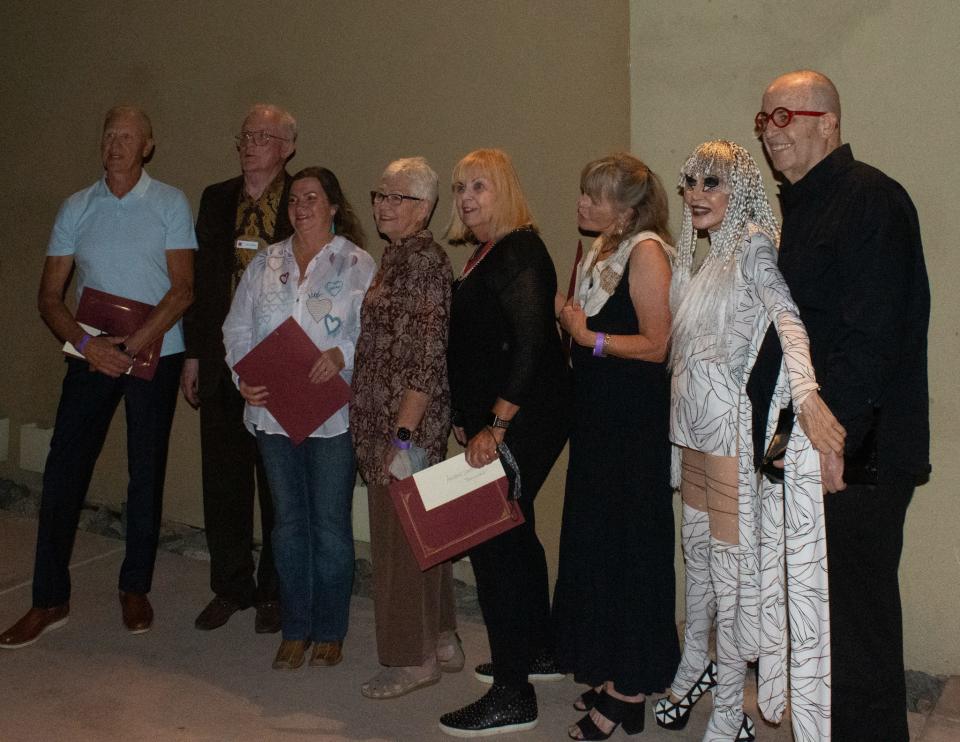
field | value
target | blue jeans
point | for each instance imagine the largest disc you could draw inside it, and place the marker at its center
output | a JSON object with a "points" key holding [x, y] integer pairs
{"points": [[87, 403], [312, 486]]}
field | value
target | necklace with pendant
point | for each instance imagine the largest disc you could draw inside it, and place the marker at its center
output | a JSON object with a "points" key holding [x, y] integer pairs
{"points": [[478, 255]]}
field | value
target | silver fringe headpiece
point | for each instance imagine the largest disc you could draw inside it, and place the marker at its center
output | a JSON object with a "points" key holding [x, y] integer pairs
{"points": [[703, 303]]}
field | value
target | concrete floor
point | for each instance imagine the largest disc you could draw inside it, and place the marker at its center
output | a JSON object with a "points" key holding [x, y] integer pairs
{"points": [[91, 680]]}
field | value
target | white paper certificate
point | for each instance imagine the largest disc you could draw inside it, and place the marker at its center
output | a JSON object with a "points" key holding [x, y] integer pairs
{"points": [[453, 478]]}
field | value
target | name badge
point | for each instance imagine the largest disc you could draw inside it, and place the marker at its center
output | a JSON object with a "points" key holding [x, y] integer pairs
{"points": [[248, 245]]}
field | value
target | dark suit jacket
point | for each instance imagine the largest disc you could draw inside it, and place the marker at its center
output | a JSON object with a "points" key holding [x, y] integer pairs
{"points": [[213, 270]]}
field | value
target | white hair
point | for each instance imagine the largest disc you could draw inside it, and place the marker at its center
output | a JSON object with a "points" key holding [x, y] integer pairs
{"points": [[284, 118], [703, 303], [424, 182]]}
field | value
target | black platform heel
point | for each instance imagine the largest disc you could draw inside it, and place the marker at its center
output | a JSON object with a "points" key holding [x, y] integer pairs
{"points": [[622, 713], [674, 716], [586, 700]]}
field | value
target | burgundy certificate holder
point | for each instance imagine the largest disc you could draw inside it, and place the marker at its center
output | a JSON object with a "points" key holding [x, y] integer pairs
{"points": [[119, 317], [281, 362], [443, 514]]}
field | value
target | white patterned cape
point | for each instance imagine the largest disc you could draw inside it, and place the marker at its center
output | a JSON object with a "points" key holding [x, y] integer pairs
{"points": [[783, 619]]}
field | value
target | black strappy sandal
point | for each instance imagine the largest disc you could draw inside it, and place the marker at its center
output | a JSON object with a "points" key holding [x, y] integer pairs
{"points": [[586, 700], [628, 715]]}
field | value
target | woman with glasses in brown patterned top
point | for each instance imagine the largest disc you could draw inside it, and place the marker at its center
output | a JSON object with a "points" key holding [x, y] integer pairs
{"points": [[400, 419]]}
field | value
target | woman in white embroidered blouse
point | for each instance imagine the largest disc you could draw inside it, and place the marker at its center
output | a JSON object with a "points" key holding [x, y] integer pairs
{"points": [[319, 277], [721, 311]]}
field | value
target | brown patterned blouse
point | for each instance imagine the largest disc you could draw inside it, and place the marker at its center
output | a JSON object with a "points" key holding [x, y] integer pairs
{"points": [[402, 345]]}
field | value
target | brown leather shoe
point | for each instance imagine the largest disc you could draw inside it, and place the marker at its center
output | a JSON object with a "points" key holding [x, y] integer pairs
{"points": [[37, 621], [326, 654], [137, 613], [290, 654], [268, 617], [216, 614]]}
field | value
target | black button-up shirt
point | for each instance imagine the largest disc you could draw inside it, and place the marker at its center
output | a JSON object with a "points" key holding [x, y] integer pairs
{"points": [[851, 254]]}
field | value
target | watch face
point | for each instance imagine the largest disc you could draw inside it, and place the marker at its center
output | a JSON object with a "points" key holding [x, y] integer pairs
{"points": [[403, 434]]}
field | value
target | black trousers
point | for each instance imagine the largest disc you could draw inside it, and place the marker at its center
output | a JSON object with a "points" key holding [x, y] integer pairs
{"points": [[87, 402], [864, 541], [231, 467], [511, 569]]}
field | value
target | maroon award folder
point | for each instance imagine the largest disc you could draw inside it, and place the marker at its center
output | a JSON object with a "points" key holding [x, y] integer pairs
{"points": [[281, 362], [447, 530], [120, 317]]}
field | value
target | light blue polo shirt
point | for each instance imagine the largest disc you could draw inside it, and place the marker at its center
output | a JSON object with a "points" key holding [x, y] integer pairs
{"points": [[119, 244]]}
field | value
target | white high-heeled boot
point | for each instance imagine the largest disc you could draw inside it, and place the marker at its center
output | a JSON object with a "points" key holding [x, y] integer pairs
{"points": [[728, 722], [696, 674]]}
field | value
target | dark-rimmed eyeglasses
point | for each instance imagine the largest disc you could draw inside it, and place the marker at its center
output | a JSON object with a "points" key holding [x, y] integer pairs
{"points": [[258, 138], [780, 117], [394, 199]]}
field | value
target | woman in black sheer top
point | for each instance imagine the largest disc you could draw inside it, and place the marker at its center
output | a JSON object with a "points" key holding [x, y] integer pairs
{"points": [[508, 383]]}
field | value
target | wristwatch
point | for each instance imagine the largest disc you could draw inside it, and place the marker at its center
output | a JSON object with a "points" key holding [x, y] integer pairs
{"points": [[402, 438], [498, 422]]}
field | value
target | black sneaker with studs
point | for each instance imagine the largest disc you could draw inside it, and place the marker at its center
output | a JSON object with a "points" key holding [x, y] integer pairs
{"points": [[542, 669], [503, 709]]}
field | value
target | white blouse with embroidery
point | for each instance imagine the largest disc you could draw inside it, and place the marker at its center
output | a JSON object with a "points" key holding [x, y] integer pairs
{"points": [[326, 304]]}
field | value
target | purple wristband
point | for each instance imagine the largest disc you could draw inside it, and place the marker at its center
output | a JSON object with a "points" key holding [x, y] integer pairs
{"points": [[82, 343], [598, 345], [402, 445]]}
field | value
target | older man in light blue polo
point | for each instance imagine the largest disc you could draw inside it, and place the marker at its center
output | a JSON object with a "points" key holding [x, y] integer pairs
{"points": [[130, 236]]}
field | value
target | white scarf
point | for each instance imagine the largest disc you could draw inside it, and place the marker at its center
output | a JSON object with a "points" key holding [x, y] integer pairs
{"points": [[598, 279]]}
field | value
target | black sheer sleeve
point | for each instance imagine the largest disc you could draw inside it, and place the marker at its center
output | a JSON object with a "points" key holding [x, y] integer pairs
{"points": [[524, 287]]}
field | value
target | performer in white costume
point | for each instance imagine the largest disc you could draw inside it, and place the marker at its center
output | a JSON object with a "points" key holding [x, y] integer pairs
{"points": [[721, 312]]}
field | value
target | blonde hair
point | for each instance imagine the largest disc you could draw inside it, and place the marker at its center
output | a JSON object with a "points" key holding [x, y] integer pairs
{"points": [[629, 183], [511, 209]]}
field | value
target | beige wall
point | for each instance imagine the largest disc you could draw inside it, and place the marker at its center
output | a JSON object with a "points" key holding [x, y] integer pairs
{"points": [[369, 81], [699, 72], [548, 81]]}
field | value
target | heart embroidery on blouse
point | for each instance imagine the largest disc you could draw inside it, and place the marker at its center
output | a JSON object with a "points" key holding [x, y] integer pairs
{"points": [[334, 287], [319, 308], [332, 324], [274, 262], [284, 277]]}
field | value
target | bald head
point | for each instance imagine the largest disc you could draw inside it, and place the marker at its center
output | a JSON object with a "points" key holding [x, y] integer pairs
{"points": [[813, 130], [816, 88]]}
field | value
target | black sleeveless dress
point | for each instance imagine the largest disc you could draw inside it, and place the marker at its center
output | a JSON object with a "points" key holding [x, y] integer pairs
{"points": [[614, 603]]}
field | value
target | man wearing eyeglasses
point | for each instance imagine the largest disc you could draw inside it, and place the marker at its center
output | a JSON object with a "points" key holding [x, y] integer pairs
{"points": [[851, 254], [236, 218]]}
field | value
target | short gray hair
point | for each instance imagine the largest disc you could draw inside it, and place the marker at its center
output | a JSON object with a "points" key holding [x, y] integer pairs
{"points": [[424, 182], [127, 110], [283, 116]]}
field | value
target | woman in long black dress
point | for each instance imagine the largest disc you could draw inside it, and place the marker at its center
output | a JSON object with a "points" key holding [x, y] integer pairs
{"points": [[614, 600], [508, 384]]}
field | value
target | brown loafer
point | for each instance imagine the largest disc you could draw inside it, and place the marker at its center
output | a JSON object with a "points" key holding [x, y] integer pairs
{"points": [[137, 612], [216, 614], [290, 654], [36, 621], [268, 617], [326, 654]]}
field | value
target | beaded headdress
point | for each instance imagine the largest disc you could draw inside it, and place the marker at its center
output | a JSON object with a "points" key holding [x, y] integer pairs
{"points": [[703, 302]]}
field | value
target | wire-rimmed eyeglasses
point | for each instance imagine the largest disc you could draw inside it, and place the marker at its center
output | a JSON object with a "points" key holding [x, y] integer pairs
{"points": [[258, 138]]}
